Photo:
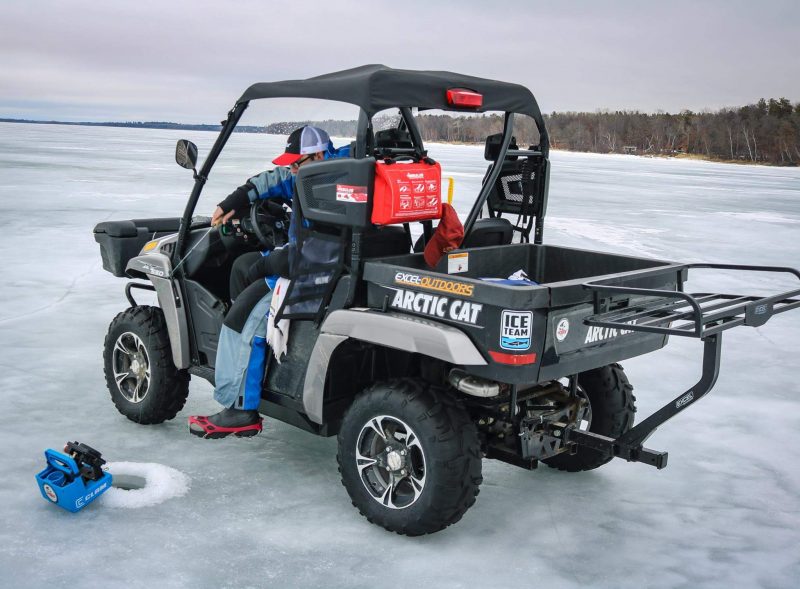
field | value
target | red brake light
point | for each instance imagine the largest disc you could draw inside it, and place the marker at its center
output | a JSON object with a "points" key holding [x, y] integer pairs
{"points": [[512, 359], [463, 98]]}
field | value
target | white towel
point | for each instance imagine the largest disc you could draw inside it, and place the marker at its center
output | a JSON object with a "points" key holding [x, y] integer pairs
{"points": [[278, 334]]}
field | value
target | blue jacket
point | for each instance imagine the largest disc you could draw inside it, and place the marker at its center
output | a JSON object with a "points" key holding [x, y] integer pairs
{"points": [[279, 182]]}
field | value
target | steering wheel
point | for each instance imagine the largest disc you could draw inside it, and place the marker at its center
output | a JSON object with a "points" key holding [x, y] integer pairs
{"points": [[270, 227]]}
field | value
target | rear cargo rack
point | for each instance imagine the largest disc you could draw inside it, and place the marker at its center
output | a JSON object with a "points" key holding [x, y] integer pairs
{"points": [[697, 315], [704, 316]]}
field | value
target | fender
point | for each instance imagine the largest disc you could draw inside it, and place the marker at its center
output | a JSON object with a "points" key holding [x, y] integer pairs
{"points": [[393, 330], [158, 268]]}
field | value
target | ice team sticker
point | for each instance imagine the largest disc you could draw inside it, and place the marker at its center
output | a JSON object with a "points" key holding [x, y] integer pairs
{"points": [[562, 329], [516, 328], [346, 193]]}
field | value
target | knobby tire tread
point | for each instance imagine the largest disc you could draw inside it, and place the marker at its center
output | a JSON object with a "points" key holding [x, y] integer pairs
{"points": [[165, 399], [450, 439]]}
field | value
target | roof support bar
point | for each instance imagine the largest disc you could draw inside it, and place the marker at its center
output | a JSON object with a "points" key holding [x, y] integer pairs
{"points": [[200, 179], [488, 183]]}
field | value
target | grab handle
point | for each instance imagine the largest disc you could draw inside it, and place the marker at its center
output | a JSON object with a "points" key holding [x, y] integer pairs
{"points": [[62, 462]]}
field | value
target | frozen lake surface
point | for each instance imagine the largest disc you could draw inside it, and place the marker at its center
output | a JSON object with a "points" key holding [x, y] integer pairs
{"points": [[270, 511]]}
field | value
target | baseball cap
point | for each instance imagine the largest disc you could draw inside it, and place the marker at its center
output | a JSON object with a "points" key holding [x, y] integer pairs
{"points": [[303, 141]]}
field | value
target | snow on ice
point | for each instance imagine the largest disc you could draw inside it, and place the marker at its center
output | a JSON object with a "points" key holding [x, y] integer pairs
{"points": [[159, 483], [270, 511]]}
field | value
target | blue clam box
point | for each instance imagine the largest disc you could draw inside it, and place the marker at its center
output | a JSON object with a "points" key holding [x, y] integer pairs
{"points": [[62, 484]]}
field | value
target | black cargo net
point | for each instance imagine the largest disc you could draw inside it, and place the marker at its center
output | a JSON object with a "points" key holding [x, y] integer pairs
{"points": [[316, 261]]}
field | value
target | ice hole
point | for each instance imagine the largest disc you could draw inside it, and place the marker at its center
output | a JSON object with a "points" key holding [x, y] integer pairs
{"points": [[128, 482], [141, 484]]}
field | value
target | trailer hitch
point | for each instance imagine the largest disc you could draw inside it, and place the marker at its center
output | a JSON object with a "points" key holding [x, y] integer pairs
{"points": [[630, 444], [611, 446]]}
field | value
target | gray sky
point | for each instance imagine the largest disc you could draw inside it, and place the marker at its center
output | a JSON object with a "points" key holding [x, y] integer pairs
{"points": [[188, 60]]}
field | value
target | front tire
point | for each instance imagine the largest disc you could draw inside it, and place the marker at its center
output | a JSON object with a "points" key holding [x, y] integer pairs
{"points": [[144, 384], [612, 412], [409, 457]]}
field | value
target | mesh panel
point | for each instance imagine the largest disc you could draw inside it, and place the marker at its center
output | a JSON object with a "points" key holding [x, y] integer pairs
{"points": [[313, 139], [507, 194], [315, 264], [512, 188]]}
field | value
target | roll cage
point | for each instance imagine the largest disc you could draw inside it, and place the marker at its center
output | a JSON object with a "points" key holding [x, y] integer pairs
{"points": [[374, 88]]}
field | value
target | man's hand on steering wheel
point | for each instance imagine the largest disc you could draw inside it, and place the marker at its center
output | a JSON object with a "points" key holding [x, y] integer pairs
{"points": [[234, 204], [220, 217]]}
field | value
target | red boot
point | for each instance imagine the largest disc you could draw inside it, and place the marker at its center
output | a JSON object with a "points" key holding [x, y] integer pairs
{"points": [[239, 422]]}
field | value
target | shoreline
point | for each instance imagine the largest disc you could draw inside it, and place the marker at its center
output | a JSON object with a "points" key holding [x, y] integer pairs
{"points": [[158, 125], [664, 156]]}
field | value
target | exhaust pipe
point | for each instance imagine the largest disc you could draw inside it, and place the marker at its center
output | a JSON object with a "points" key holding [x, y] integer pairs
{"points": [[472, 385]]}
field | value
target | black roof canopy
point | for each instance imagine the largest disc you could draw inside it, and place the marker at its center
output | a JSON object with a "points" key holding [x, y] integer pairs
{"points": [[377, 87]]}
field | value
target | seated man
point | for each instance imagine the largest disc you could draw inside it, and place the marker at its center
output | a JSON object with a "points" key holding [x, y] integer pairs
{"points": [[241, 351], [277, 184]]}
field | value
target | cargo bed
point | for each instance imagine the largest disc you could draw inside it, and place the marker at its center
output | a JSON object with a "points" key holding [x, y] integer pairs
{"points": [[559, 298], [588, 309]]}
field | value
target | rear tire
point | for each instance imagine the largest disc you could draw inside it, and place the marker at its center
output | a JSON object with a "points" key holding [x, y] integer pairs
{"points": [[144, 384], [409, 457], [613, 406]]}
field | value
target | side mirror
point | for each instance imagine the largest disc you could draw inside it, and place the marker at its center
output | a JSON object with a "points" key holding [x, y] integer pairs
{"points": [[186, 154]]}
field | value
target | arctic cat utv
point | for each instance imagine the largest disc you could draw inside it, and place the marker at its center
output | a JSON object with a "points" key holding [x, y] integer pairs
{"points": [[421, 372]]}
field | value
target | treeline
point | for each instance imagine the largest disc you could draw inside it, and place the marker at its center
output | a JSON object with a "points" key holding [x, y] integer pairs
{"points": [[768, 132], [765, 132], [335, 128]]}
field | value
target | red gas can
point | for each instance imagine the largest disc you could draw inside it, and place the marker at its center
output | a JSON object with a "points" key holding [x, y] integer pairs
{"points": [[406, 192]]}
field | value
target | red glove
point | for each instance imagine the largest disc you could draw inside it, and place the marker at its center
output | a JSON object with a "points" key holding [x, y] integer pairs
{"points": [[448, 236]]}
